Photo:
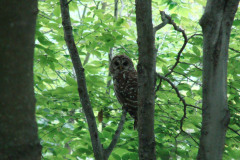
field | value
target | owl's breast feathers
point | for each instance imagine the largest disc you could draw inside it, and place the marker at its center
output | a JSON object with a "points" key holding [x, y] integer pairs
{"points": [[125, 86]]}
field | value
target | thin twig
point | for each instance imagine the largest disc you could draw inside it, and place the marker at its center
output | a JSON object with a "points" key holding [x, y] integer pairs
{"points": [[44, 16], [234, 50], [68, 2], [191, 137], [189, 105], [194, 36], [182, 48], [116, 9], [180, 97], [109, 74], [124, 49], [168, 19], [82, 3], [60, 76], [185, 107], [192, 65], [122, 7], [86, 59], [195, 82], [234, 131], [179, 54]]}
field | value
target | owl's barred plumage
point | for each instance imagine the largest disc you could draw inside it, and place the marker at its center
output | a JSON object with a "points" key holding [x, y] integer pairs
{"points": [[125, 84]]}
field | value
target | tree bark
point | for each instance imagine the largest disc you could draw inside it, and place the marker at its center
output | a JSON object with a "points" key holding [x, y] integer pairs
{"points": [[18, 127], [146, 79], [216, 24]]}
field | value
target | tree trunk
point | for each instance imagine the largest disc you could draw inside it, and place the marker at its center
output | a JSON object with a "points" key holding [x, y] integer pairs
{"points": [[146, 79], [216, 25], [18, 127]]}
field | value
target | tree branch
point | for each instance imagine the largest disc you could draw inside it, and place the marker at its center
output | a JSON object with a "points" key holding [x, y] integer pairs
{"points": [[68, 2], [191, 137], [170, 21], [234, 131], [122, 7], [109, 60], [181, 99], [167, 19], [164, 22], [82, 88], [86, 59], [194, 36], [116, 9], [179, 96], [234, 50], [116, 136]]}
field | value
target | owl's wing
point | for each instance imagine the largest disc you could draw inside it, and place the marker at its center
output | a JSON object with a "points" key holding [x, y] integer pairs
{"points": [[131, 88], [118, 95], [127, 93]]}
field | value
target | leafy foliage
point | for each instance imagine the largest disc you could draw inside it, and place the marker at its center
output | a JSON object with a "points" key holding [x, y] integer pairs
{"points": [[62, 124]]}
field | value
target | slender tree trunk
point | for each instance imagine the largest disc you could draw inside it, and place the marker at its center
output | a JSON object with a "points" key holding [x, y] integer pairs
{"points": [[81, 81], [146, 79], [18, 127], [216, 25]]}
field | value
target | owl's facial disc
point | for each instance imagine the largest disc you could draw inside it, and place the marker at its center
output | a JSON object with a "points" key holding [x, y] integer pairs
{"points": [[117, 64], [125, 63]]}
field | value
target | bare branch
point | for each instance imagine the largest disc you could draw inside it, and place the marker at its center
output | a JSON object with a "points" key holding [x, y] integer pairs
{"points": [[182, 48], [60, 76], [86, 59], [170, 21], [179, 96], [192, 65], [122, 7], [189, 79], [68, 2], [110, 148], [234, 50], [165, 21], [116, 9], [191, 137], [181, 99], [109, 61], [234, 131], [189, 105], [194, 36]]}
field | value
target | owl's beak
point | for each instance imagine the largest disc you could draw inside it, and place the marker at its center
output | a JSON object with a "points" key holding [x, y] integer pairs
{"points": [[120, 67]]}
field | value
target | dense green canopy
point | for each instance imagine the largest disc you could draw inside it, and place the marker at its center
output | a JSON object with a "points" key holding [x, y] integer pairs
{"points": [[62, 124]]}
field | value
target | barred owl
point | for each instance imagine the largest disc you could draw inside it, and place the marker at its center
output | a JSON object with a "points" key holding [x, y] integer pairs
{"points": [[125, 84]]}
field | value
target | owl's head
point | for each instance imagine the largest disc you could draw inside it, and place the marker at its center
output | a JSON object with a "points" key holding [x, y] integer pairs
{"points": [[121, 63]]}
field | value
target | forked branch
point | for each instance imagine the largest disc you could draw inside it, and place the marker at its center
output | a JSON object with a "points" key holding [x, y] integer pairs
{"points": [[99, 153], [116, 136]]}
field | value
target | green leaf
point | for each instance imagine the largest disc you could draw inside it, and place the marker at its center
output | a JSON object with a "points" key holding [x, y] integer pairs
{"points": [[115, 156], [196, 50], [71, 81]]}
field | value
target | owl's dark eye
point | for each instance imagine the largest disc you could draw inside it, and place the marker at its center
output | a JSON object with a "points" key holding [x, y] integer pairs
{"points": [[116, 63], [125, 63]]}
